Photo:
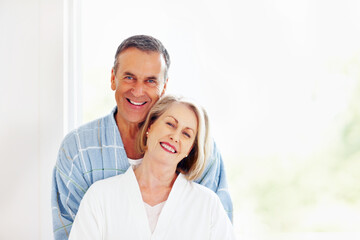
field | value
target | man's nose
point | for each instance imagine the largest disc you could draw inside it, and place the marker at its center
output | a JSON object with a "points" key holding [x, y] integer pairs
{"points": [[138, 89]]}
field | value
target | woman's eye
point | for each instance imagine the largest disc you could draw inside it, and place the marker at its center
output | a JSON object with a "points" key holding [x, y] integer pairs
{"points": [[170, 124], [187, 134]]}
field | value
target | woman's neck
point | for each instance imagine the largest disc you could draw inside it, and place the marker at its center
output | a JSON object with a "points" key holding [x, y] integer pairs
{"points": [[155, 181]]}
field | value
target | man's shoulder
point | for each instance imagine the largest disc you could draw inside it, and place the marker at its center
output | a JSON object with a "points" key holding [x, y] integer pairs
{"points": [[92, 126], [89, 134], [102, 122]]}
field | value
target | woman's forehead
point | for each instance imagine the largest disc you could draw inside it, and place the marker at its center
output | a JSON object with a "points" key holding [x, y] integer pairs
{"points": [[182, 113]]}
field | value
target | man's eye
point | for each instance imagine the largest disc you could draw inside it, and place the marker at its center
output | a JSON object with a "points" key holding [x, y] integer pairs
{"points": [[128, 77], [151, 81]]}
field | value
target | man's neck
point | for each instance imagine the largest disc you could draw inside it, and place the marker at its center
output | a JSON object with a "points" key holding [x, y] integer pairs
{"points": [[128, 132]]}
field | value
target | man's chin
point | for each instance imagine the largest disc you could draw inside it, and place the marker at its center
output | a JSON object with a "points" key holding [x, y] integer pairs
{"points": [[137, 118], [130, 118]]}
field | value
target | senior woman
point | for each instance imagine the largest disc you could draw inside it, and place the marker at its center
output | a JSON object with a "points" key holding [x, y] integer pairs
{"points": [[156, 199]]}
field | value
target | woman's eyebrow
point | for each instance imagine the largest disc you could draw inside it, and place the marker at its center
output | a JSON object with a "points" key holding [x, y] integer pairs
{"points": [[189, 128], [178, 122], [173, 118]]}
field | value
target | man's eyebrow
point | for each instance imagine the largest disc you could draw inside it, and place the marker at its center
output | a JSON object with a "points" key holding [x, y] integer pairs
{"points": [[133, 75], [152, 77], [129, 74]]}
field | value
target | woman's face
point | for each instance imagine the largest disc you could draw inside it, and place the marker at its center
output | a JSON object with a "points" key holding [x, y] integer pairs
{"points": [[171, 136]]}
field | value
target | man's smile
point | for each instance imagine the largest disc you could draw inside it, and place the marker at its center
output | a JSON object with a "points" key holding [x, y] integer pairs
{"points": [[136, 103]]}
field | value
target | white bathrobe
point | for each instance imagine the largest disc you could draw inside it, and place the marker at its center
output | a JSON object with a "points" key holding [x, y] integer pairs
{"points": [[113, 209]]}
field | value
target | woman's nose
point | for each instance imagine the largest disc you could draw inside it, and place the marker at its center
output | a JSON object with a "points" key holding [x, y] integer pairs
{"points": [[175, 137]]}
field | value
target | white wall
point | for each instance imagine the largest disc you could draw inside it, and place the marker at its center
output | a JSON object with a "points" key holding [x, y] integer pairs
{"points": [[31, 107]]}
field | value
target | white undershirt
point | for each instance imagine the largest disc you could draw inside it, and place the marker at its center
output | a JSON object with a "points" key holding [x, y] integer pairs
{"points": [[153, 213], [135, 162]]}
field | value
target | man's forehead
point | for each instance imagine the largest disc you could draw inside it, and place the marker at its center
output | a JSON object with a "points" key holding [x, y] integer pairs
{"points": [[134, 59], [133, 52]]}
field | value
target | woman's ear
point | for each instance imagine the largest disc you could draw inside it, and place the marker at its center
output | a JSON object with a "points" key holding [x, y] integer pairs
{"points": [[147, 132]]}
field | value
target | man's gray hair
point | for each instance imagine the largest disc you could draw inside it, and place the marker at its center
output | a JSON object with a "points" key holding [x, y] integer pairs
{"points": [[144, 43]]}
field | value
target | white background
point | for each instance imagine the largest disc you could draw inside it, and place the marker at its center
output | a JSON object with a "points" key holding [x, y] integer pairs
{"points": [[31, 105]]}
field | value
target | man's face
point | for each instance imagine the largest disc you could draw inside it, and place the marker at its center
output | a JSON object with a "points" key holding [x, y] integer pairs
{"points": [[138, 83]]}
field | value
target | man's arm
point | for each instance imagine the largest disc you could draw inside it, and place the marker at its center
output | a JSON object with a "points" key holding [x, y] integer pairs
{"points": [[214, 177], [68, 188]]}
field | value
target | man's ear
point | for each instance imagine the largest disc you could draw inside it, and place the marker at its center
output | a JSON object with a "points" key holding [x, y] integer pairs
{"points": [[164, 89], [113, 80]]}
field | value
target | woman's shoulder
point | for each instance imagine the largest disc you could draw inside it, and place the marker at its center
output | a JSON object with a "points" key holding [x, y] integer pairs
{"points": [[200, 191], [203, 190], [108, 184]]}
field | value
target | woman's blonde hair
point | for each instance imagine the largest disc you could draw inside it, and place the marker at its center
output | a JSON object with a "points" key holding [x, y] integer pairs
{"points": [[193, 165]]}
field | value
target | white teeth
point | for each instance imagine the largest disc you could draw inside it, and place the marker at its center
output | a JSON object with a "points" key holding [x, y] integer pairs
{"points": [[168, 147], [137, 104]]}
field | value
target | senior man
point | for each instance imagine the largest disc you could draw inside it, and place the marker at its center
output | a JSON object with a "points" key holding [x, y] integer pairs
{"points": [[106, 147]]}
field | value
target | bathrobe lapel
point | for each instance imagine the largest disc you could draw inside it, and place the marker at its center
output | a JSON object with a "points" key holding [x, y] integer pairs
{"points": [[166, 218], [137, 208]]}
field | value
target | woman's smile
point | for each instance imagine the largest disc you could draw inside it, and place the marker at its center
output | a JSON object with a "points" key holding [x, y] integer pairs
{"points": [[168, 147]]}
